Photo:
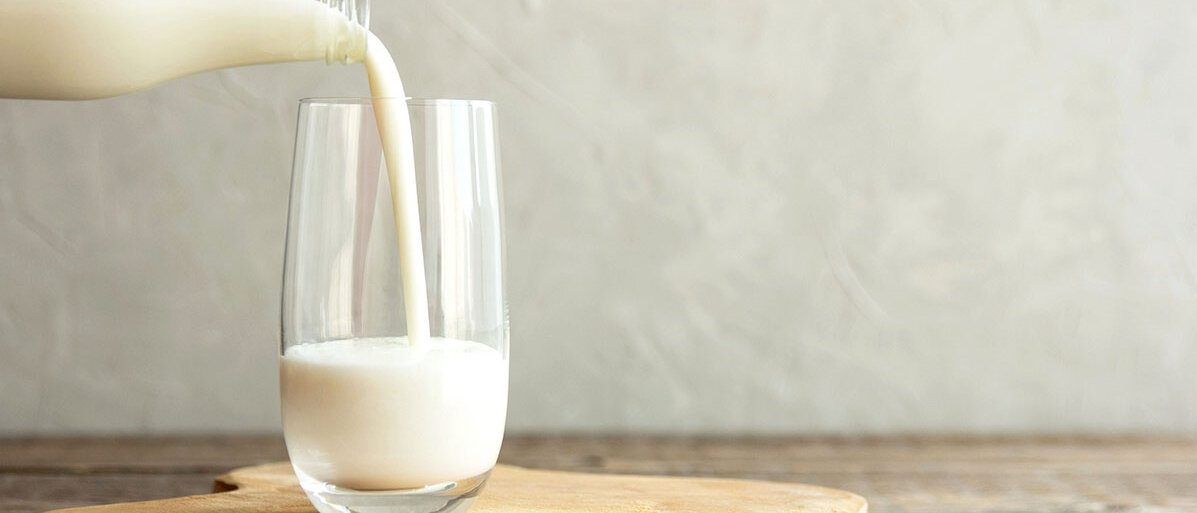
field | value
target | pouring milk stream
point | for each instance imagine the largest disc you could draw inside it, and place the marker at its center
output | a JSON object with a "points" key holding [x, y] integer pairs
{"points": [[81, 50], [84, 49]]}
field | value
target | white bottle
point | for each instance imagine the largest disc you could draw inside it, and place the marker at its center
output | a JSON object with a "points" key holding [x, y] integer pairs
{"points": [[85, 49]]}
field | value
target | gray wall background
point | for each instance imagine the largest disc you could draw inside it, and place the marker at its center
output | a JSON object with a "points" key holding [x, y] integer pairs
{"points": [[759, 216]]}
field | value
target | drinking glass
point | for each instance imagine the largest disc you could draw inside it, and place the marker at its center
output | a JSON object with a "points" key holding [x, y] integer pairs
{"points": [[373, 422]]}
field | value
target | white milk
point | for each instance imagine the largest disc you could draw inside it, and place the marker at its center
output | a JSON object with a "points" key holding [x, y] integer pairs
{"points": [[394, 128], [84, 49], [379, 414]]}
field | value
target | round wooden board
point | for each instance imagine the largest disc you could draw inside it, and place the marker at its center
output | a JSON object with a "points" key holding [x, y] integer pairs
{"points": [[273, 488]]}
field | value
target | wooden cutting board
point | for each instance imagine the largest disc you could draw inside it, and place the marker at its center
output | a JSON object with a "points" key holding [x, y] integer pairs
{"points": [[273, 488]]}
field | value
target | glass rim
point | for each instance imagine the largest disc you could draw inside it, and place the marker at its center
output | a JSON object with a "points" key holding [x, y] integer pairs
{"points": [[364, 100]]}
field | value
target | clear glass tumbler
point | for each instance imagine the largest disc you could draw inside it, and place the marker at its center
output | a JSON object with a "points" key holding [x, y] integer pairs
{"points": [[374, 423]]}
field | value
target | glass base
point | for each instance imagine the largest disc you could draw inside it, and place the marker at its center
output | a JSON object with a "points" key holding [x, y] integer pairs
{"points": [[450, 497]]}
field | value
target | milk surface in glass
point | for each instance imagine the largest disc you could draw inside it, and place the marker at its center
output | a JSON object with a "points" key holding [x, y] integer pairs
{"points": [[382, 414]]}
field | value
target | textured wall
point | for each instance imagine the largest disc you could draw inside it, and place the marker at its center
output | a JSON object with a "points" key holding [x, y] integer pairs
{"points": [[748, 216]]}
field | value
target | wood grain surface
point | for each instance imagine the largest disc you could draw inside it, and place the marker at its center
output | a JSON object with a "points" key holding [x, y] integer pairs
{"points": [[272, 488], [939, 474]]}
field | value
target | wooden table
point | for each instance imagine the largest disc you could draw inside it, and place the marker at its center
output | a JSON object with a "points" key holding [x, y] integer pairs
{"points": [[1007, 475]]}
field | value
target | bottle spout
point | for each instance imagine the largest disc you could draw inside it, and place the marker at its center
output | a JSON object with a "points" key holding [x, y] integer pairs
{"points": [[349, 23]]}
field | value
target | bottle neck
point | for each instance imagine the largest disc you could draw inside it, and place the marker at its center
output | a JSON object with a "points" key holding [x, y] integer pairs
{"points": [[348, 28], [347, 45]]}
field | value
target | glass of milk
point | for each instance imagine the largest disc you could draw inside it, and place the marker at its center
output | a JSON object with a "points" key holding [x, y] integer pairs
{"points": [[377, 418]]}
